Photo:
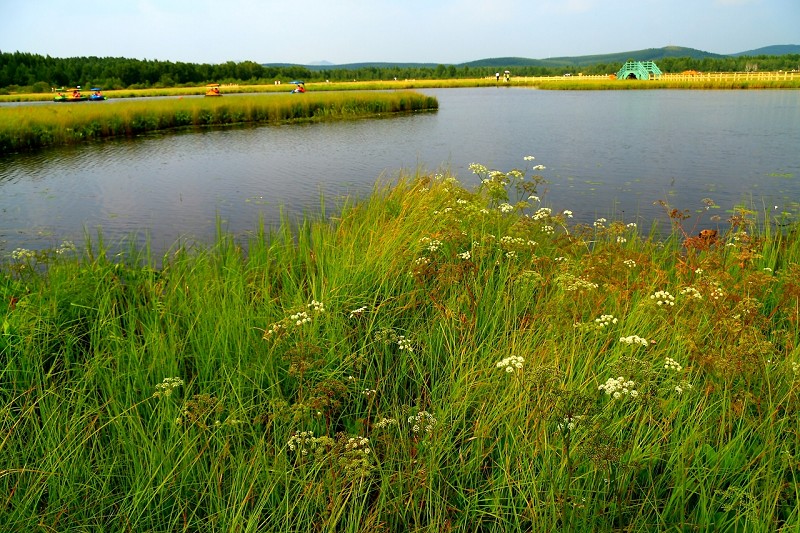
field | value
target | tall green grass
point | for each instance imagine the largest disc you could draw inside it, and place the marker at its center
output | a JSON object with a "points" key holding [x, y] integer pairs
{"points": [[24, 128], [430, 358]]}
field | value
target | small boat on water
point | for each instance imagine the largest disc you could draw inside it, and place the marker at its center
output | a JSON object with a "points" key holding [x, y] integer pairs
{"points": [[300, 87], [96, 95], [213, 89], [70, 95]]}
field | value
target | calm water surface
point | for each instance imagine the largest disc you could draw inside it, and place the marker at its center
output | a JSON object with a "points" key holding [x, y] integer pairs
{"points": [[607, 153]]}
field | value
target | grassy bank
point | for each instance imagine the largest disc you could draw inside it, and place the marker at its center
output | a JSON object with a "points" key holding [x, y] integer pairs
{"points": [[428, 359], [721, 80], [30, 127]]}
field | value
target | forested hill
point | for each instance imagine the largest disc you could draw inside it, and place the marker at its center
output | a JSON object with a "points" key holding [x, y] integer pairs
{"points": [[43, 72], [25, 72]]}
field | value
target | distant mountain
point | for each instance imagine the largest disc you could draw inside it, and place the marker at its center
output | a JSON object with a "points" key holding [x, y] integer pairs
{"points": [[649, 54], [775, 50]]}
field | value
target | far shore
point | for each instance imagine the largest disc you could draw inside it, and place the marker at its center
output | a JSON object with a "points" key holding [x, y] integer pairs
{"points": [[699, 80]]}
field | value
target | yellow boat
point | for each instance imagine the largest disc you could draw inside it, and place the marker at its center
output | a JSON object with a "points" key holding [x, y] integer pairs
{"points": [[213, 89]]}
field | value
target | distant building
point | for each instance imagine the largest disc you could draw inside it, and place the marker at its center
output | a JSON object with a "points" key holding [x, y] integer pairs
{"points": [[639, 70]]}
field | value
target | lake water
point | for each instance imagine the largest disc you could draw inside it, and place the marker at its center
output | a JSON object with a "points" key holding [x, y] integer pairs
{"points": [[607, 153]]}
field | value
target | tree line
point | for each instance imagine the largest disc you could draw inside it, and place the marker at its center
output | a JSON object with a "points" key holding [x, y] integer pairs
{"points": [[20, 71]]}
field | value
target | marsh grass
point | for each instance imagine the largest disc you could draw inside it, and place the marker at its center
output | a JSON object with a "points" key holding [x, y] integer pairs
{"points": [[430, 358], [24, 128], [717, 80]]}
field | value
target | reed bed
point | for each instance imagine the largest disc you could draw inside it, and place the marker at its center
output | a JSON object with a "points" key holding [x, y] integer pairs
{"points": [[431, 358], [25, 128]]}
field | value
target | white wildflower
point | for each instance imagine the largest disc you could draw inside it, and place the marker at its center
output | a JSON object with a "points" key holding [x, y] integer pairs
{"points": [[510, 363], [634, 339], [663, 298], [672, 364], [619, 387]]}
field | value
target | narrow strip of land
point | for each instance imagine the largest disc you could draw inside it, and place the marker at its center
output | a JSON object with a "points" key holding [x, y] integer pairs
{"points": [[31, 127]]}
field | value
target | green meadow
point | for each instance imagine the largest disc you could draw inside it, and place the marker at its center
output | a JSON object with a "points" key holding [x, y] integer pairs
{"points": [[31, 127], [432, 357]]}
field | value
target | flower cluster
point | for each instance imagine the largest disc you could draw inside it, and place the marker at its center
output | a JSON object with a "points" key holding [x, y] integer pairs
{"points": [[605, 320], [633, 339], [296, 319], [717, 292], [510, 363], [166, 387], [672, 364], [385, 423], [543, 213], [691, 292], [422, 422], [431, 245], [508, 240], [477, 168], [356, 457], [316, 307], [619, 387], [274, 329], [305, 443], [66, 246], [663, 298], [600, 223], [300, 318], [23, 254], [358, 443], [358, 312], [569, 423], [630, 263], [572, 283], [404, 344]]}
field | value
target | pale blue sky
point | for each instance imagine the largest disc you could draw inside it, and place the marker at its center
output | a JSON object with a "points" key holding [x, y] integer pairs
{"points": [[349, 31]]}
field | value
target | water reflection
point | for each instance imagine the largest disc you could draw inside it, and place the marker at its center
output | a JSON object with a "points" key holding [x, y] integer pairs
{"points": [[607, 153]]}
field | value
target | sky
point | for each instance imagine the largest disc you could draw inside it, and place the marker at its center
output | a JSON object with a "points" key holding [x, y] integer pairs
{"points": [[394, 31]]}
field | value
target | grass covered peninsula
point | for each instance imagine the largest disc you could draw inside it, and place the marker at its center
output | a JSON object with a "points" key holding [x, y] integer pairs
{"points": [[30, 127], [431, 358]]}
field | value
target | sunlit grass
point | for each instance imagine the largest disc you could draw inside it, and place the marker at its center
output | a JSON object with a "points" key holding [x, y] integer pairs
{"points": [[27, 127], [431, 357]]}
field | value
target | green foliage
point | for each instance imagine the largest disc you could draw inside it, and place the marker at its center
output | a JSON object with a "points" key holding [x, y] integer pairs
{"points": [[430, 358]]}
